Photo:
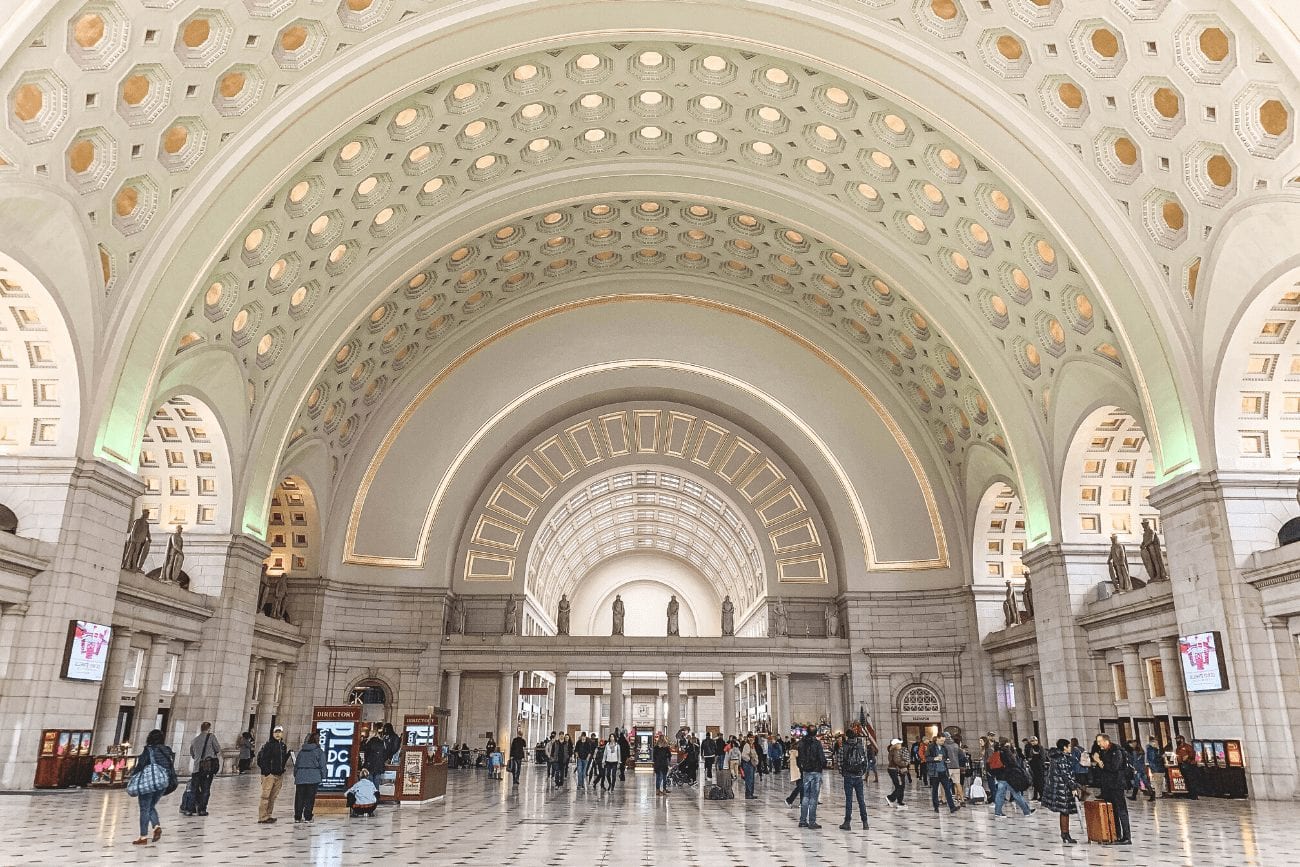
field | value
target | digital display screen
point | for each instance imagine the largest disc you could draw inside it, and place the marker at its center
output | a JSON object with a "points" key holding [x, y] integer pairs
{"points": [[1202, 662], [336, 740], [87, 654]]}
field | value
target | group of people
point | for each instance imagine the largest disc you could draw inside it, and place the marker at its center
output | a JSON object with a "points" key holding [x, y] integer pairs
{"points": [[154, 775]]}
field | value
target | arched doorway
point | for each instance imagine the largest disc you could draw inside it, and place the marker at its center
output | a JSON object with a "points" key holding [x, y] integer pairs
{"points": [[374, 697], [920, 713]]}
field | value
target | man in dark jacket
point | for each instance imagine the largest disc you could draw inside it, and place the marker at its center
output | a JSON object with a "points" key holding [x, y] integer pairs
{"points": [[1110, 770], [709, 751], [1036, 758], [812, 761], [624, 753], [374, 756], [518, 748], [852, 762], [272, 759]]}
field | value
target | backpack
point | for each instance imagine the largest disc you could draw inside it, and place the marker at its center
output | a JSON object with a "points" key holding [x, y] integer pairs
{"points": [[855, 758], [995, 761]]}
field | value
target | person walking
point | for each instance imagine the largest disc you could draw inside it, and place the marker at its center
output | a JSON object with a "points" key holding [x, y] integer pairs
{"points": [[749, 766], [562, 759], [898, 765], [624, 753], [1110, 768], [582, 753], [957, 760], [1139, 780], [205, 754], [1036, 759], [247, 746], [812, 761], [796, 778], [1010, 777], [518, 749], [154, 775], [660, 755], [1058, 793], [936, 760], [272, 759], [308, 772], [852, 762], [612, 761]]}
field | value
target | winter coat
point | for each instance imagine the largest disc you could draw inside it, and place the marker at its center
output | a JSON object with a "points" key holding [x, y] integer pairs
{"points": [[812, 758], [708, 748], [898, 758], [309, 765], [1058, 793], [374, 756], [272, 758], [1155, 759], [660, 756], [517, 748]]}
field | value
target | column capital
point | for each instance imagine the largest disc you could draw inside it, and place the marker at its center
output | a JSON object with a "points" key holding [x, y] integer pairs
{"points": [[673, 673], [613, 673]]}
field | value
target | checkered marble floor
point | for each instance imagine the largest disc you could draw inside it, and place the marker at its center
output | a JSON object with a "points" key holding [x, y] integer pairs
{"points": [[487, 822]]}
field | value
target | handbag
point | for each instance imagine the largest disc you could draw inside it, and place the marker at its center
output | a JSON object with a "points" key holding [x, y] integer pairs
{"points": [[210, 765], [148, 779]]}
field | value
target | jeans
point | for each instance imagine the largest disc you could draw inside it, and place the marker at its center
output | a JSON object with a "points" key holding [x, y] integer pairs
{"points": [[1001, 795], [561, 772], [899, 779], [611, 772], [937, 779], [750, 773], [1115, 798], [149, 811], [796, 792], [812, 789], [708, 767], [513, 766], [304, 801], [202, 790], [661, 781], [854, 785], [582, 773]]}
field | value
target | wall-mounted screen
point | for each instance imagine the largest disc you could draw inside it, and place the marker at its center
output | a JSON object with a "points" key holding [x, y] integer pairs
{"points": [[87, 653], [1202, 661]]}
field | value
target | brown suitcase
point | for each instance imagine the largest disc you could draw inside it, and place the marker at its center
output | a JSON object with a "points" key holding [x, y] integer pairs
{"points": [[1099, 816]]}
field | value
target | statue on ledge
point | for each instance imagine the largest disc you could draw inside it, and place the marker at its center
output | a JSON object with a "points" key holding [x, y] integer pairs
{"points": [[619, 614], [455, 616], [562, 619], [1027, 598], [512, 616], [832, 621], [673, 624], [782, 627], [137, 544], [1010, 610], [277, 607], [728, 616], [1117, 566], [173, 559], [1153, 559]]}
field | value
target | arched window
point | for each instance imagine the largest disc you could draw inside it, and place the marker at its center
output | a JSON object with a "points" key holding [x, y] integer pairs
{"points": [[373, 697], [919, 703]]}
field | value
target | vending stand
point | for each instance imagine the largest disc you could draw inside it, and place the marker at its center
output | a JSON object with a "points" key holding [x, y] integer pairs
{"points": [[64, 760], [340, 740], [422, 771]]}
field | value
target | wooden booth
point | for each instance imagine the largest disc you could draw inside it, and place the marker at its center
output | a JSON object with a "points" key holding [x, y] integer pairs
{"points": [[340, 739], [422, 770], [64, 760]]}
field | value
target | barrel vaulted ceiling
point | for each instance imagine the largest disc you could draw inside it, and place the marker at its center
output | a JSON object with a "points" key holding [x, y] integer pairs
{"points": [[1178, 109]]}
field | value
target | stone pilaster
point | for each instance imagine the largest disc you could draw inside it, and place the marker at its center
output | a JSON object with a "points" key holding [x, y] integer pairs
{"points": [[1200, 516], [89, 504], [1062, 645]]}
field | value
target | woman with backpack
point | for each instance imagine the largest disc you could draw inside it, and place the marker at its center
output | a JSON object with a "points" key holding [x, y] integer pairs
{"points": [[1011, 778], [154, 775]]}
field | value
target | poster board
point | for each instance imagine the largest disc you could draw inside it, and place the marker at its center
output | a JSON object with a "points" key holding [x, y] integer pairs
{"points": [[1202, 661], [340, 735], [86, 653]]}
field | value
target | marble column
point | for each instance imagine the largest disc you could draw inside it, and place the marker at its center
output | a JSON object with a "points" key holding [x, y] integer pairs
{"points": [[593, 713], [451, 732], [785, 719], [674, 703], [659, 713], [505, 712], [266, 706], [835, 689], [146, 703], [1172, 672], [1134, 682], [1021, 714], [1062, 645], [729, 703], [560, 720], [616, 718], [255, 665], [110, 691]]}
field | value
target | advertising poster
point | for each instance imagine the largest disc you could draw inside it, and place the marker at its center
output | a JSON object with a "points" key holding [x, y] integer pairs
{"points": [[336, 741], [1202, 662], [87, 651], [412, 771], [1234, 754]]}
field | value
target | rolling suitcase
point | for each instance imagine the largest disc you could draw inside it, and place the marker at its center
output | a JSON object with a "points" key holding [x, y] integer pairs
{"points": [[1099, 817], [189, 800]]}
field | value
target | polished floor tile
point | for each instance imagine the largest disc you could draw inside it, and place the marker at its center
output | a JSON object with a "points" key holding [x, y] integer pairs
{"points": [[487, 822]]}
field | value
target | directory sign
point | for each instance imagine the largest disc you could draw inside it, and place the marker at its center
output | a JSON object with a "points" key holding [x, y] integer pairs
{"points": [[1202, 662], [87, 651], [338, 728]]}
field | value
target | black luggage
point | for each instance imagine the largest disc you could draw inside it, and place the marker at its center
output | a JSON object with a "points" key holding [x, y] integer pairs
{"points": [[189, 801]]}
